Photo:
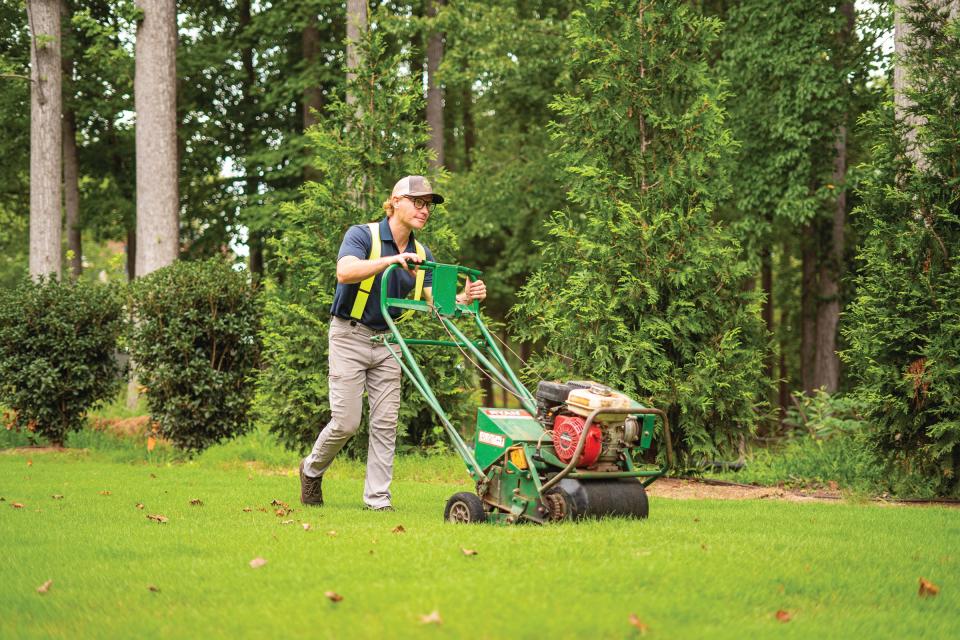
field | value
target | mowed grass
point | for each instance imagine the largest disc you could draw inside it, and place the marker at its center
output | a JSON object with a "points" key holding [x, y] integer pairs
{"points": [[718, 569]]}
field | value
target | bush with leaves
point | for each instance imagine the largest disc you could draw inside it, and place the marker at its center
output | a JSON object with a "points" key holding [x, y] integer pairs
{"points": [[58, 345], [639, 287], [903, 328], [358, 156], [195, 343]]}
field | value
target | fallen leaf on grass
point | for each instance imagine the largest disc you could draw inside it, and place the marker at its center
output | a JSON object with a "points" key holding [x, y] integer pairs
{"points": [[928, 589], [287, 522], [468, 552], [783, 616], [431, 618], [264, 509], [282, 512], [333, 596], [140, 505], [105, 493], [399, 529], [45, 587], [160, 519], [256, 563], [306, 526], [279, 503], [57, 496], [636, 622], [16, 505], [331, 533], [153, 588], [247, 509], [154, 476], [197, 502], [29, 463]]}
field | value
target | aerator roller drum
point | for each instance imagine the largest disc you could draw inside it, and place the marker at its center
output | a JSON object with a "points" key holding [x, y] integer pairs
{"points": [[567, 453]]}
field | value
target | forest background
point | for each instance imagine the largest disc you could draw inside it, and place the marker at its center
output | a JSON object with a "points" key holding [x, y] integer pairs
{"points": [[741, 211]]}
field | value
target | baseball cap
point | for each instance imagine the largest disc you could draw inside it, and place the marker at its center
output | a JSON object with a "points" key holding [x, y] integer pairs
{"points": [[415, 186]]}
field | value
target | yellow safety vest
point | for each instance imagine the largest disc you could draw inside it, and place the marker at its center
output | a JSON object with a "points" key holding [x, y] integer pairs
{"points": [[363, 294]]}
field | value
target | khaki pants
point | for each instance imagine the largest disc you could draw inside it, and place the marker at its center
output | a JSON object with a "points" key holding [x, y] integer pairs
{"points": [[357, 364]]}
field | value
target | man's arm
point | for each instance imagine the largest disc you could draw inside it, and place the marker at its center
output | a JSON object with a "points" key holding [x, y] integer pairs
{"points": [[473, 290], [351, 269]]}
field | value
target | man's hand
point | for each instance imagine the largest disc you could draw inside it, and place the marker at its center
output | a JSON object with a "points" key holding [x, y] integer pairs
{"points": [[405, 260], [474, 290]]}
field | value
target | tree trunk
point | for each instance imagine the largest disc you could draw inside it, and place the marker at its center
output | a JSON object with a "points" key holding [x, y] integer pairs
{"points": [[434, 93], [252, 183], [312, 94], [766, 281], [155, 101], [901, 31], [71, 171], [356, 27], [808, 307], [827, 368], [131, 252], [46, 137], [469, 128]]}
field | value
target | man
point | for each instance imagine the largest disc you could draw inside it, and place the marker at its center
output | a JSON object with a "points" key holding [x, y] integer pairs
{"points": [[357, 364]]}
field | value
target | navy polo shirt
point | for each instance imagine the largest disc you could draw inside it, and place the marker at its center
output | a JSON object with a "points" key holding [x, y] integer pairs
{"points": [[357, 242]]}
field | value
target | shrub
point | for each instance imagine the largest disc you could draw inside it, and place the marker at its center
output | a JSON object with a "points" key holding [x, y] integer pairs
{"points": [[195, 347], [57, 353]]}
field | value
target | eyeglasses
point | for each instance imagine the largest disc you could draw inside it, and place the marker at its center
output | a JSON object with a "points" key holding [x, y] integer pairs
{"points": [[420, 203]]}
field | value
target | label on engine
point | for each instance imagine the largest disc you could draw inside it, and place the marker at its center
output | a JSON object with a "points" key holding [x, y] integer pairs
{"points": [[507, 413], [491, 438]]}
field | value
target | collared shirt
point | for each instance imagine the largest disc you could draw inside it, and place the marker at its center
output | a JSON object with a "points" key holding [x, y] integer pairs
{"points": [[357, 242]]}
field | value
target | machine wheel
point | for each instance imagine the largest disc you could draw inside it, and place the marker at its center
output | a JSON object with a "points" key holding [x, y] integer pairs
{"points": [[464, 508]]}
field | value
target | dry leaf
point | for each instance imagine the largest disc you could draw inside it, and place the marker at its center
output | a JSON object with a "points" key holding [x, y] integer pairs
{"points": [[783, 616], [331, 533], [278, 503], [140, 505], [45, 587], [16, 505], [306, 526], [333, 596], [197, 502], [399, 529], [153, 476], [287, 522], [256, 563], [153, 588], [159, 518], [636, 622], [29, 463], [468, 552], [281, 512], [105, 493], [928, 589], [431, 618], [57, 496], [247, 509], [264, 509]]}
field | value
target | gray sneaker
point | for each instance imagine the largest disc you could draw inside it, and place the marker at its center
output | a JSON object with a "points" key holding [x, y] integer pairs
{"points": [[310, 491], [383, 508]]}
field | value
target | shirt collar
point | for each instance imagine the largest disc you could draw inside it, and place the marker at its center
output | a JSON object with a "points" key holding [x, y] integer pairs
{"points": [[387, 234]]}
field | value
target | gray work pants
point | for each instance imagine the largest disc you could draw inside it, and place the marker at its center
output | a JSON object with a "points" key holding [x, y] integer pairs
{"points": [[356, 364]]}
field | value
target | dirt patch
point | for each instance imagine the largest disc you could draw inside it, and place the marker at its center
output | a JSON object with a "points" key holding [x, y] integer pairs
{"points": [[23, 451], [135, 426], [690, 489]]}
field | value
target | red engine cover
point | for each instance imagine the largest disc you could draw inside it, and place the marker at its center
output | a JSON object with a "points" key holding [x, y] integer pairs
{"points": [[566, 435]]}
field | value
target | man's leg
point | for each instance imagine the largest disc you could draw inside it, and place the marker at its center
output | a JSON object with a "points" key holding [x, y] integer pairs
{"points": [[383, 391], [349, 359]]}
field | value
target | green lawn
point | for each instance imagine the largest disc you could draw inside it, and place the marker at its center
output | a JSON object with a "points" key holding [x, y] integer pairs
{"points": [[694, 569]]}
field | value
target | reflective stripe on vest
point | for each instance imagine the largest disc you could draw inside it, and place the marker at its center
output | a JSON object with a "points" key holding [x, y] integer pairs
{"points": [[363, 294]]}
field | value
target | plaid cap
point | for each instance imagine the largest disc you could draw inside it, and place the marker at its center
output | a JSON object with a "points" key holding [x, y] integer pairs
{"points": [[415, 186]]}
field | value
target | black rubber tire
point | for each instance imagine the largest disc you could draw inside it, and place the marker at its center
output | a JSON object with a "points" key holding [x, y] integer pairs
{"points": [[464, 508]]}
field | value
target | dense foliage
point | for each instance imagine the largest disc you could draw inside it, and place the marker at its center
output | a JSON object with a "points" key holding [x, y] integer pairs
{"points": [[57, 353], [195, 344], [358, 156], [639, 286], [904, 326]]}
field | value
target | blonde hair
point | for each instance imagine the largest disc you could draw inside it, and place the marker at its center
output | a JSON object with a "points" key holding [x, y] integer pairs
{"points": [[388, 206]]}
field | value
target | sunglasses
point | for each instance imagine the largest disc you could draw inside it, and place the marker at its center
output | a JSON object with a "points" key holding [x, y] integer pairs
{"points": [[421, 203]]}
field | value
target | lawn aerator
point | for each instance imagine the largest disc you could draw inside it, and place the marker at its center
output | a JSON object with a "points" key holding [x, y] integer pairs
{"points": [[568, 453]]}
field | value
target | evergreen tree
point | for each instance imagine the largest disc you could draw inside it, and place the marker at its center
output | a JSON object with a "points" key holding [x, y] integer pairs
{"points": [[904, 326], [356, 152], [639, 286]]}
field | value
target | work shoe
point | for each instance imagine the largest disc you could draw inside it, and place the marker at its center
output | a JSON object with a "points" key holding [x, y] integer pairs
{"points": [[310, 491]]}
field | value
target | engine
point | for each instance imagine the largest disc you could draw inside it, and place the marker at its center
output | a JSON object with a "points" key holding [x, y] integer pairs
{"points": [[562, 409]]}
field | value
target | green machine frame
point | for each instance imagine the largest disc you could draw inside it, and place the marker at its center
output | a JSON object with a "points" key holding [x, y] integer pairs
{"points": [[523, 498]]}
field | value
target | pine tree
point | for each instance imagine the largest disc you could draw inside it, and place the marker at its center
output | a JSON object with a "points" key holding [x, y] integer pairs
{"points": [[640, 287], [904, 326], [356, 152]]}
